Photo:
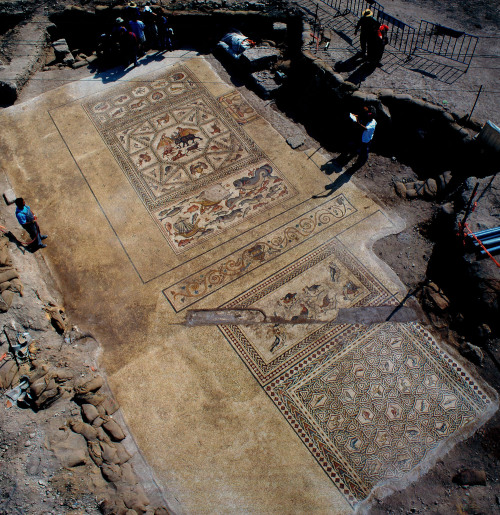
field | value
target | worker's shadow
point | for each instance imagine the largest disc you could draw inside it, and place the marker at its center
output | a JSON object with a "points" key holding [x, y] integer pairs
{"points": [[341, 179], [362, 72], [349, 64], [335, 165], [21, 245], [107, 75]]}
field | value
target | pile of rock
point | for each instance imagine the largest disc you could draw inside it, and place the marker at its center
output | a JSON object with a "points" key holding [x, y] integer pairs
{"points": [[63, 56], [10, 283], [429, 188], [101, 433]]}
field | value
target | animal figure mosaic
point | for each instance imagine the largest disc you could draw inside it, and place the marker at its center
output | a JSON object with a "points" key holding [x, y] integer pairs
{"points": [[312, 296], [215, 209], [184, 141], [209, 280], [238, 108]]}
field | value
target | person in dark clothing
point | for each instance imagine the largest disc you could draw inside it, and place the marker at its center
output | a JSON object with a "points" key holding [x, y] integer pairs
{"points": [[28, 222], [104, 50], [132, 11], [369, 27], [376, 50], [128, 47], [150, 29], [165, 33]]}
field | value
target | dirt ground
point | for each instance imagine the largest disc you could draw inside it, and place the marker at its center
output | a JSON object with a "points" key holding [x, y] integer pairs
{"points": [[33, 482]]}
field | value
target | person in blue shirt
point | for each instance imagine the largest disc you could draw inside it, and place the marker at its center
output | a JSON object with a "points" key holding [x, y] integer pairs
{"points": [[28, 221]]}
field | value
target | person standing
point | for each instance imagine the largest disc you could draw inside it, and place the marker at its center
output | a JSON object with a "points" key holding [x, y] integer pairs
{"points": [[376, 50], [150, 29], [369, 27], [28, 222], [137, 27], [128, 47], [366, 121], [164, 31]]}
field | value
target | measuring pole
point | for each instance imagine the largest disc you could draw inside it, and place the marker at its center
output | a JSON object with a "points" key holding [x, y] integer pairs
{"points": [[477, 98], [468, 209]]}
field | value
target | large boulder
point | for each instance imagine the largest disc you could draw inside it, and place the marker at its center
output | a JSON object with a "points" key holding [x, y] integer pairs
{"points": [[260, 58], [62, 51]]}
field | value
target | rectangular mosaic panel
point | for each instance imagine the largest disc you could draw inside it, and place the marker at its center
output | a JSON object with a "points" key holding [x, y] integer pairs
{"points": [[196, 171], [370, 403], [240, 110], [374, 411], [310, 292]]}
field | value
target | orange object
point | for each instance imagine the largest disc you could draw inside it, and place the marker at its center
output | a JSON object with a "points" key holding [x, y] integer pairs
{"points": [[3, 356]]}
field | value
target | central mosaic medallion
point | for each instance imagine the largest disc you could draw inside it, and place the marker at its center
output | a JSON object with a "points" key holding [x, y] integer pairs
{"points": [[187, 157]]}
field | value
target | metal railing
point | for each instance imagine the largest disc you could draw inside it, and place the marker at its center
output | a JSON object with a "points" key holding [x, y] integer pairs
{"points": [[338, 5], [430, 38], [400, 35], [445, 42], [357, 7]]}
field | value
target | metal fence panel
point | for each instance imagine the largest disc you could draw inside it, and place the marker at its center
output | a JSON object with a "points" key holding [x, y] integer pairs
{"points": [[338, 5], [449, 43], [356, 7], [400, 35]]}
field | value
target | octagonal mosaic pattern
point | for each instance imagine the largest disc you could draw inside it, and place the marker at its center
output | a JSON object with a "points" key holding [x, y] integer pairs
{"points": [[370, 403]]}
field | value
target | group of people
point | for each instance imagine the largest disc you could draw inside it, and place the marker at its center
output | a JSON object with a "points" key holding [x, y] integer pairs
{"points": [[140, 30], [373, 36]]}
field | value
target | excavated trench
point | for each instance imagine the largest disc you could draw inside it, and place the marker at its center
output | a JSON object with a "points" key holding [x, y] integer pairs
{"points": [[418, 139]]}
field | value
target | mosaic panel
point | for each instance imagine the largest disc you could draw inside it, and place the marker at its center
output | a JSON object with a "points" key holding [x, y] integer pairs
{"points": [[238, 108], [210, 279], [308, 292], [186, 156], [375, 410], [370, 403]]}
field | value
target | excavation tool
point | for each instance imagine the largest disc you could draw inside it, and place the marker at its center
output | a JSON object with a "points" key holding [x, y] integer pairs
{"points": [[362, 315]]}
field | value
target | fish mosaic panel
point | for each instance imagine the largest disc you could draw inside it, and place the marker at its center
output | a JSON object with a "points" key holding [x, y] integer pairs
{"points": [[185, 154], [215, 208], [370, 403], [210, 279], [308, 292]]}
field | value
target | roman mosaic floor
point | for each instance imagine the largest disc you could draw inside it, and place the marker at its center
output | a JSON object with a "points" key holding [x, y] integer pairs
{"points": [[167, 192]]}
